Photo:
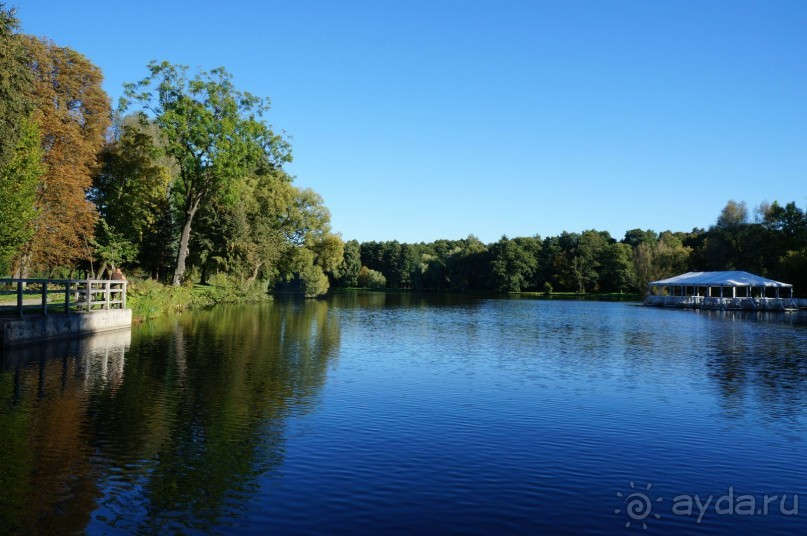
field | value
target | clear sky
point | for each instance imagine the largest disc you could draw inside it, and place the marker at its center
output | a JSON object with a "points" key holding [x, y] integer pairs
{"points": [[419, 120]]}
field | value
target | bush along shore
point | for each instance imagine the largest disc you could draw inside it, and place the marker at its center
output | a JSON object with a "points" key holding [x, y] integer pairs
{"points": [[151, 299]]}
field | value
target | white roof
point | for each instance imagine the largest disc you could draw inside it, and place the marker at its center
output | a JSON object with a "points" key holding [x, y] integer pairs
{"points": [[720, 279]]}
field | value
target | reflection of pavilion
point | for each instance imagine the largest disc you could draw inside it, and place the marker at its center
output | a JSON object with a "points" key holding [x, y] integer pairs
{"points": [[733, 290]]}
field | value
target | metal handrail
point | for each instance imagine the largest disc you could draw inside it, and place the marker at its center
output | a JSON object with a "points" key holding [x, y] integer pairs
{"points": [[83, 294]]}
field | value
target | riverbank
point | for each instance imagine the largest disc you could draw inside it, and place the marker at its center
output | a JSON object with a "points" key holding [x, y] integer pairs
{"points": [[591, 296], [151, 299]]}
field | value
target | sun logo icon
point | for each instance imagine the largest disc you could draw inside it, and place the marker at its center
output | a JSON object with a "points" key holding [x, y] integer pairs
{"points": [[638, 505]]}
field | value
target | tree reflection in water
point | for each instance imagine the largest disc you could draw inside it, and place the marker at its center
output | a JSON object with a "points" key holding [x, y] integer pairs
{"points": [[765, 371], [169, 436]]}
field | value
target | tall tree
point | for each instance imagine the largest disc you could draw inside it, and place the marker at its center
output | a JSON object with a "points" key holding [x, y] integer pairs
{"points": [[617, 268], [18, 184], [214, 132], [16, 83], [351, 264], [73, 113], [512, 265], [130, 189]]}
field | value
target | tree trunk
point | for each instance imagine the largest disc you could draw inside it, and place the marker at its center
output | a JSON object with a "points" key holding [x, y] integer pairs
{"points": [[100, 273], [183, 242], [255, 271]]}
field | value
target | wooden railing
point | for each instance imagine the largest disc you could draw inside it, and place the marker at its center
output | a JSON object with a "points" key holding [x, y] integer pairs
{"points": [[74, 295]]}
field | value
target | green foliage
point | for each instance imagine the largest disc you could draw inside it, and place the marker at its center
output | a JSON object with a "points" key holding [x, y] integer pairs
{"points": [[314, 281], [213, 132], [19, 179], [224, 288], [351, 265], [467, 264], [592, 262], [617, 270], [371, 279], [150, 299], [111, 247], [665, 258], [512, 265], [131, 191], [16, 84]]}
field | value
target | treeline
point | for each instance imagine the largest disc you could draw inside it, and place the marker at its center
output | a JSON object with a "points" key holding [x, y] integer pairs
{"points": [[772, 243], [182, 182]]}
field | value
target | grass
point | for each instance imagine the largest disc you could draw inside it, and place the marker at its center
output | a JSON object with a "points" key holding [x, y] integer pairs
{"points": [[150, 299]]}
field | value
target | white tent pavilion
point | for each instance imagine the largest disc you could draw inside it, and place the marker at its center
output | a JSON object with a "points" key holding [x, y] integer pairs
{"points": [[721, 290]]}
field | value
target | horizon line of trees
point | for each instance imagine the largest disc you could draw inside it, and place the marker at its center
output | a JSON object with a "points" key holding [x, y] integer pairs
{"points": [[772, 243]]}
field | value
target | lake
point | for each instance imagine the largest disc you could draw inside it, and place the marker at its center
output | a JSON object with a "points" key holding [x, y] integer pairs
{"points": [[407, 413]]}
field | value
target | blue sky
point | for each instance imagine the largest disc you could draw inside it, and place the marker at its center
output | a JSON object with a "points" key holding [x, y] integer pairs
{"points": [[438, 119]]}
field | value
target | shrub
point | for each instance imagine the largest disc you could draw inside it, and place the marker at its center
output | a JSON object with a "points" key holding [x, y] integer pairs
{"points": [[371, 279], [223, 288], [150, 299], [315, 282]]}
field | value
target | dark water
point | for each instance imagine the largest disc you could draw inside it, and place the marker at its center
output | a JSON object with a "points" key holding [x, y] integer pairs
{"points": [[373, 413]]}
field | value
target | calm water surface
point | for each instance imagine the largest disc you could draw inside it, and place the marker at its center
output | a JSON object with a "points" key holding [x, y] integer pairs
{"points": [[374, 413]]}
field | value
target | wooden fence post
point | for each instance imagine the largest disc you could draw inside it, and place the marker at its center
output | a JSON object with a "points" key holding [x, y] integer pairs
{"points": [[45, 297], [19, 298], [67, 298], [106, 294]]}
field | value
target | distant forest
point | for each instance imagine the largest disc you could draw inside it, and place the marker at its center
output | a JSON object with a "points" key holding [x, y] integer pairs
{"points": [[772, 242]]}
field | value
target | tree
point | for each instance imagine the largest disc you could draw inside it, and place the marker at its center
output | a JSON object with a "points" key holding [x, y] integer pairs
{"points": [[112, 248], [351, 264], [16, 84], [512, 266], [617, 272], [468, 265], [372, 255], [371, 279], [665, 258], [73, 113], [315, 282], [131, 188], [214, 133], [728, 244], [733, 215], [634, 237], [19, 179], [430, 273], [586, 258], [329, 252], [790, 222]]}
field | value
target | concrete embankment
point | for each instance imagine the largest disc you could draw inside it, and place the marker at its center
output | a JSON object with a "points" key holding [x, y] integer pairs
{"points": [[31, 329]]}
